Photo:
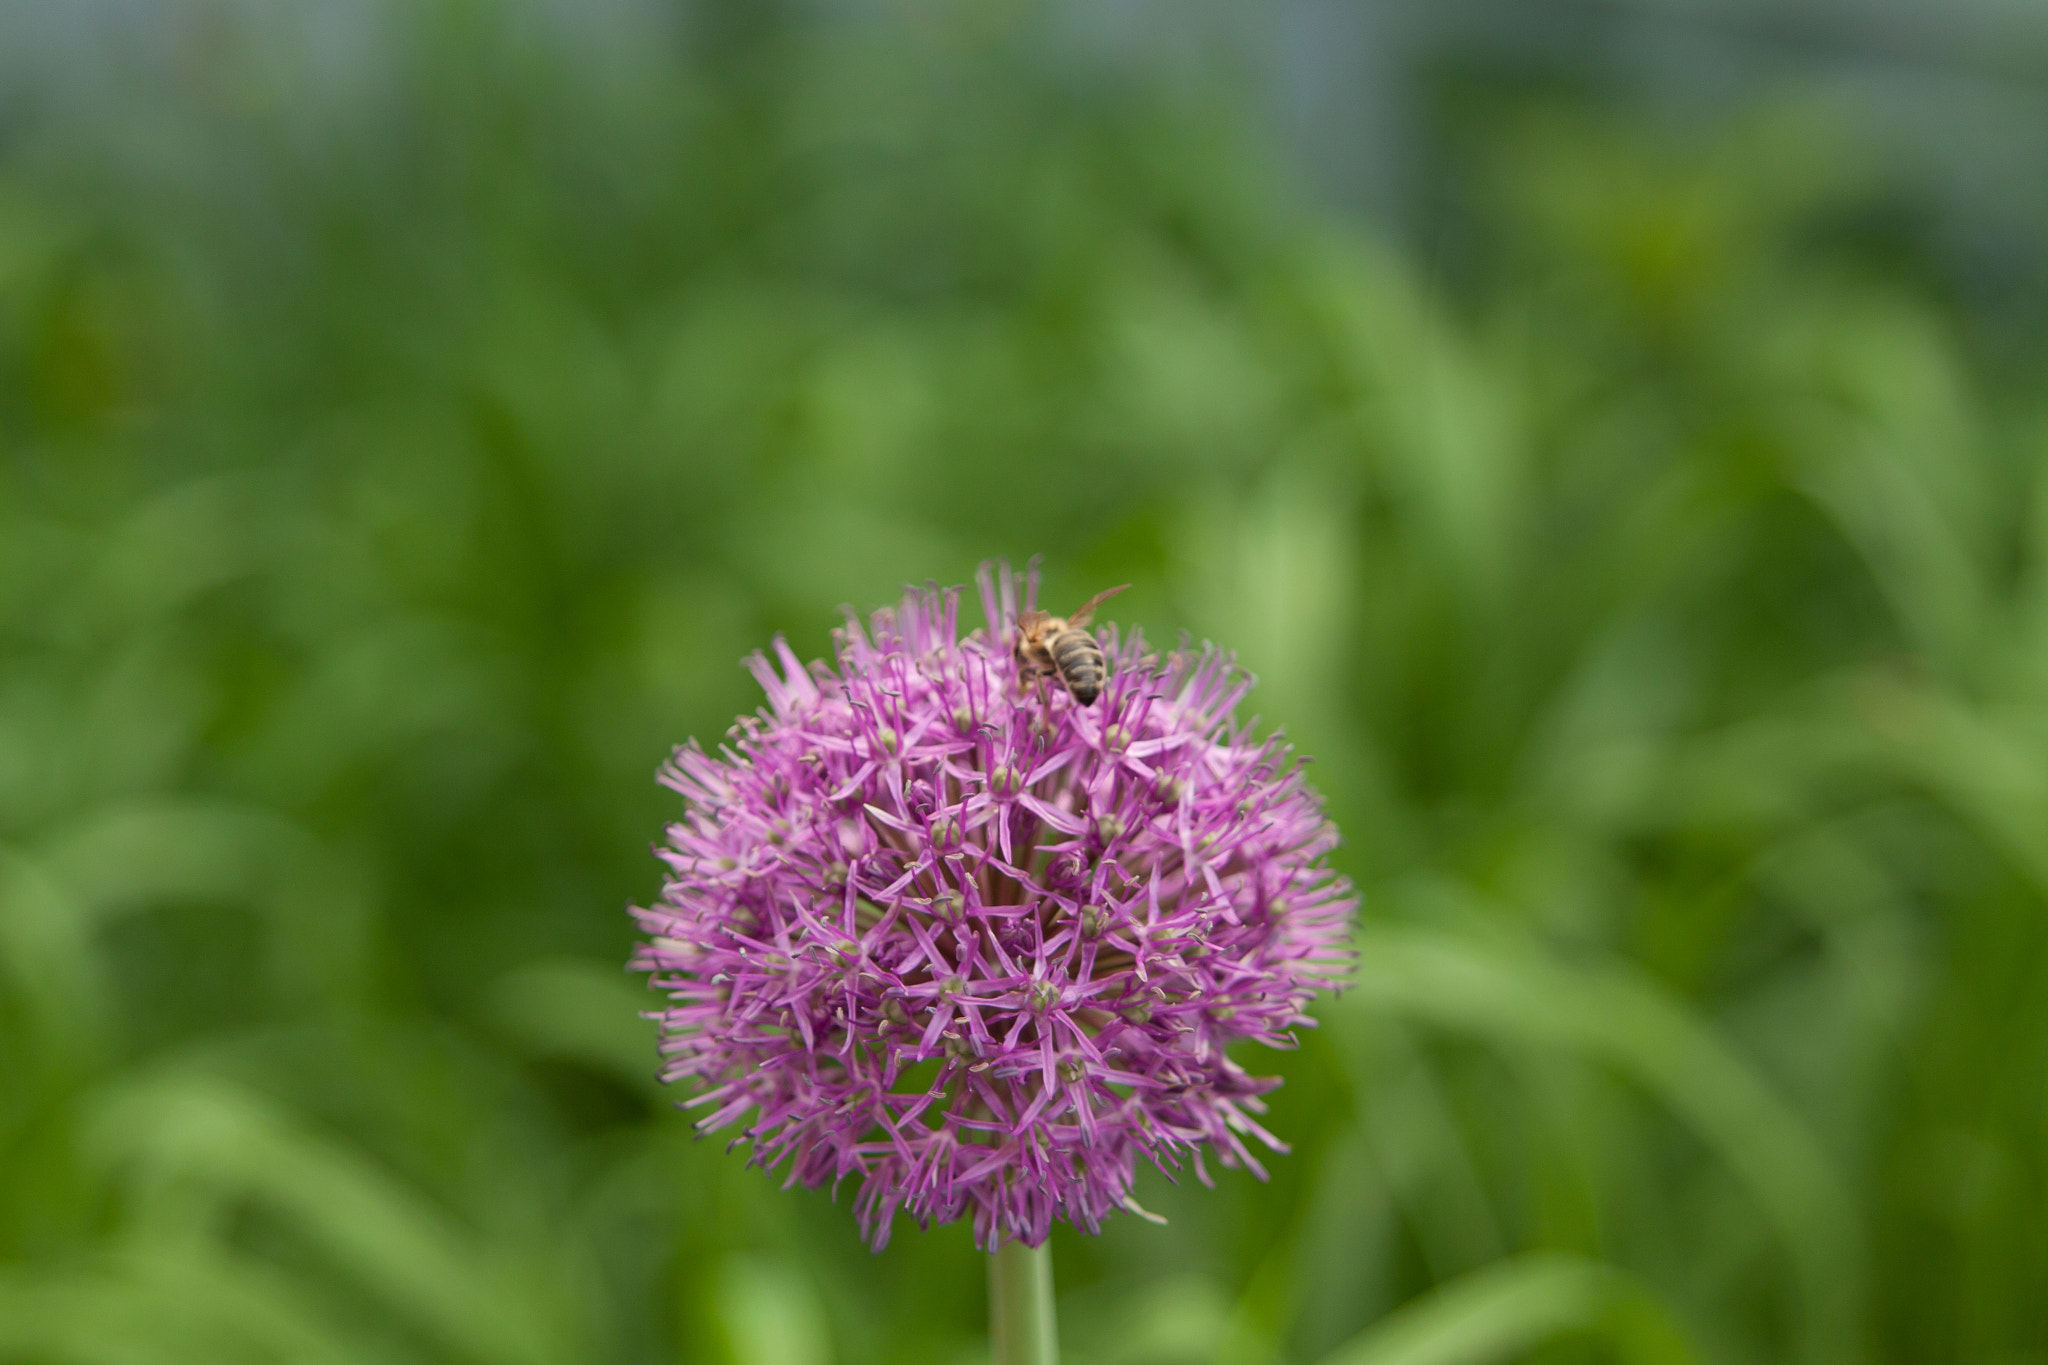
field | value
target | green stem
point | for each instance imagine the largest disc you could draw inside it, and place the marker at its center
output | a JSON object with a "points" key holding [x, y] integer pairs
{"points": [[1020, 1322]]}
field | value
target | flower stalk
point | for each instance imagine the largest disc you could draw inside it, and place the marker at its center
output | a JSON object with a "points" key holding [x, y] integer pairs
{"points": [[1021, 1327]]}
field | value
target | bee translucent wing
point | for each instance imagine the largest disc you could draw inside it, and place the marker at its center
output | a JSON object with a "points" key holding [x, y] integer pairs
{"points": [[1028, 621], [1081, 617]]}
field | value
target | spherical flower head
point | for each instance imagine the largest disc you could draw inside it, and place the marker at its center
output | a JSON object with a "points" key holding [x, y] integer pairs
{"points": [[931, 924]]}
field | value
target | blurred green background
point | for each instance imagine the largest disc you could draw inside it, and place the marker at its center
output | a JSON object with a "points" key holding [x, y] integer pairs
{"points": [[1618, 449]]}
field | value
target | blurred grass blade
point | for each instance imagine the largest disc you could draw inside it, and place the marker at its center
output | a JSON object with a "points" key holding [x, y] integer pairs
{"points": [[129, 857], [1989, 766], [1506, 1310], [1439, 417], [196, 1148], [770, 1314], [1426, 1157], [46, 959], [1614, 1016], [99, 1320], [163, 1309], [582, 1011], [1904, 480], [1918, 559]]}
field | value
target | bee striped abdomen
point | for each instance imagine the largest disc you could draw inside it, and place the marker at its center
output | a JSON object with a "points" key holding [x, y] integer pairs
{"points": [[1080, 663]]}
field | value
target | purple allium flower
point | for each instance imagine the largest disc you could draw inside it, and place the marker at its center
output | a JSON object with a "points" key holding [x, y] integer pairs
{"points": [[979, 946]]}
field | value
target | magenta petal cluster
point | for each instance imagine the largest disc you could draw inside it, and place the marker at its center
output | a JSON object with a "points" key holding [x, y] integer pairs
{"points": [[937, 928]]}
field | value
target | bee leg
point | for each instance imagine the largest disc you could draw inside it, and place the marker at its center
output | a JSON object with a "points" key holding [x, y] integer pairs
{"points": [[1044, 705]]}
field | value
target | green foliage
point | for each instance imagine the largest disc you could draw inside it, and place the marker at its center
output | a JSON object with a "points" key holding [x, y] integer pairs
{"points": [[385, 489]]}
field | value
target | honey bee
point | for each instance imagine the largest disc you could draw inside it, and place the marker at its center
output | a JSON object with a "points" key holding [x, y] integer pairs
{"points": [[1061, 647]]}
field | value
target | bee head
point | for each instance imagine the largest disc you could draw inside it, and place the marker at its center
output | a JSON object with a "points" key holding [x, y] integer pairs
{"points": [[1033, 627]]}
